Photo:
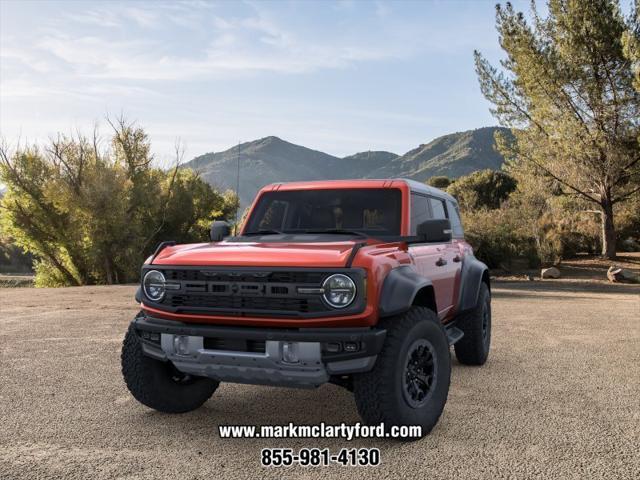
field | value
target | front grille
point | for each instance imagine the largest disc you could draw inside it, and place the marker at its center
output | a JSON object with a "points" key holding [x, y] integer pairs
{"points": [[241, 292], [303, 305]]}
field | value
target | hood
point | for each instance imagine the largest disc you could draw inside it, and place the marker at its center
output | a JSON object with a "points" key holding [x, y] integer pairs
{"points": [[321, 254]]}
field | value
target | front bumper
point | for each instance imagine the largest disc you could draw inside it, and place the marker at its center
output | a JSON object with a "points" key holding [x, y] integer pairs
{"points": [[257, 355]]}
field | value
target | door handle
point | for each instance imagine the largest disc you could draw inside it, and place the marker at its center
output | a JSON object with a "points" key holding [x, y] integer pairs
{"points": [[441, 262], [457, 259]]}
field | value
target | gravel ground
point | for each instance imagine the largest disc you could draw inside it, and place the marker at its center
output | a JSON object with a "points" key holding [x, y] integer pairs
{"points": [[558, 398]]}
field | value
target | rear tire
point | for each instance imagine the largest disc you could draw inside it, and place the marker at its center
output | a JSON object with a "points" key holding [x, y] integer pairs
{"points": [[473, 348], [409, 383], [159, 385]]}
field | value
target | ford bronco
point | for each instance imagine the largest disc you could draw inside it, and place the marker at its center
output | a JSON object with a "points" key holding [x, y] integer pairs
{"points": [[361, 283]]}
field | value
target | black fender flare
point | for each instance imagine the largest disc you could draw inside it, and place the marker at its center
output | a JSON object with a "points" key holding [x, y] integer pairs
{"points": [[473, 273], [400, 289]]}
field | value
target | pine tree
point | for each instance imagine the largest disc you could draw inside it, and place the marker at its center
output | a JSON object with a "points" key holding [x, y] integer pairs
{"points": [[566, 88]]}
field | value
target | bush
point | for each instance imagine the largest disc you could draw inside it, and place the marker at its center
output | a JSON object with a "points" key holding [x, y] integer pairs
{"points": [[91, 216], [497, 238], [628, 224], [13, 259], [440, 182], [482, 189], [562, 234]]}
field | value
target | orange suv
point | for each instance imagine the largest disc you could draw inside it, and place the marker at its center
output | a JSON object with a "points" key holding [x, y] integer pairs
{"points": [[361, 283]]}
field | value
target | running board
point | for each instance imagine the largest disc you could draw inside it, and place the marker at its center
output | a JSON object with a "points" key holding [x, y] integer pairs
{"points": [[454, 334]]}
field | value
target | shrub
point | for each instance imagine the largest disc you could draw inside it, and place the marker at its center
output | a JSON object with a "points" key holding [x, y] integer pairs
{"points": [[13, 259], [497, 238], [90, 216], [482, 189], [440, 182]]}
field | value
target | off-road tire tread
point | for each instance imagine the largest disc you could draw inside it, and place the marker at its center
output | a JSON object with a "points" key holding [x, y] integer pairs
{"points": [[373, 390], [145, 380], [470, 348]]}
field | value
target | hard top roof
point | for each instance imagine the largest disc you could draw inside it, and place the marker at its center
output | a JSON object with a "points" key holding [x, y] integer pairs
{"points": [[414, 185], [420, 187]]}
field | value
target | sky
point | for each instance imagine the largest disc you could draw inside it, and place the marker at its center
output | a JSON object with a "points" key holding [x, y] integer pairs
{"points": [[340, 77]]}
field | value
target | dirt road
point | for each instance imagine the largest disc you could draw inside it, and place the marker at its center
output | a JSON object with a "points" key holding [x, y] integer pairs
{"points": [[558, 398]]}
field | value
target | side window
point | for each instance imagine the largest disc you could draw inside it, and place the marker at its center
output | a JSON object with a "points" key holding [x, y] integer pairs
{"points": [[437, 206], [454, 217], [419, 211]]}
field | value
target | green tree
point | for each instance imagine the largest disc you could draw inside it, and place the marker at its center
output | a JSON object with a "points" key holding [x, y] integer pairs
{"points": [[566, 90], [631, 41], [91, 215], [482, 189], [440, 182]]}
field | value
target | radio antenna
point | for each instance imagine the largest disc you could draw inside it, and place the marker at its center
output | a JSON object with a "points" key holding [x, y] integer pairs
{"points": [[238, 186]]}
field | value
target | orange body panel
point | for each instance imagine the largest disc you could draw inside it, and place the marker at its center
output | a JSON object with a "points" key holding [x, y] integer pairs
{"points": [[377, 258]]}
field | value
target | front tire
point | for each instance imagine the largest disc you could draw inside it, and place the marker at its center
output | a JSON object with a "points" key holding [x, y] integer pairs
{"points": [[409, 383], [159, 385], [473, 348]]}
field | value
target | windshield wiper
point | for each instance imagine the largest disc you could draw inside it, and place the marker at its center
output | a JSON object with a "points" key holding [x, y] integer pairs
{"points": [[263, 232], [339, 231]]}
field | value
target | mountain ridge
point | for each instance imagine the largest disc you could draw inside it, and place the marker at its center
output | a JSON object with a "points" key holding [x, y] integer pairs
{"points": [[271, 160]]}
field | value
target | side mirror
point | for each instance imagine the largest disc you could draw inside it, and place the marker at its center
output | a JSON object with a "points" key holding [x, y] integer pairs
{"points": [[435, 230], [219, 230]]}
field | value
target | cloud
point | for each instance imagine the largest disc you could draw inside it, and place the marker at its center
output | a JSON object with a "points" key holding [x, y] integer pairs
{"points": [[114, 17], [383, 9], [250, 43], [100, 17], [196, 41], [144, 18], [61, 64]]}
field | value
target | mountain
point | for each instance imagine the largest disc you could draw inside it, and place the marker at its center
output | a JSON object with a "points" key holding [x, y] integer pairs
{"points": [[263, 161], [359, 164], [272, 160], [452, 155]]}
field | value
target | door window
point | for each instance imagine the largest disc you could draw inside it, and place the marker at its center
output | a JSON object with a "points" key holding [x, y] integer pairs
{"points": [[419, 211], [454, 216], [437, 207]]}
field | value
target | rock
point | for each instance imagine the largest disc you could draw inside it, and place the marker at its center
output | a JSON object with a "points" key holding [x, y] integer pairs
{"points": [[529, 277], [621, 275], [551, 272]]}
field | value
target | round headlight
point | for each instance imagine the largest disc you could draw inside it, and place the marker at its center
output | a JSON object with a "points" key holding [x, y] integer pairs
{"points": [[339, 290], [154, 285]]}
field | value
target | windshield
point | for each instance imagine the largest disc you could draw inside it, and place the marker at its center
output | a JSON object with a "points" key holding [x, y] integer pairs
{"points": [[371, 211]]}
